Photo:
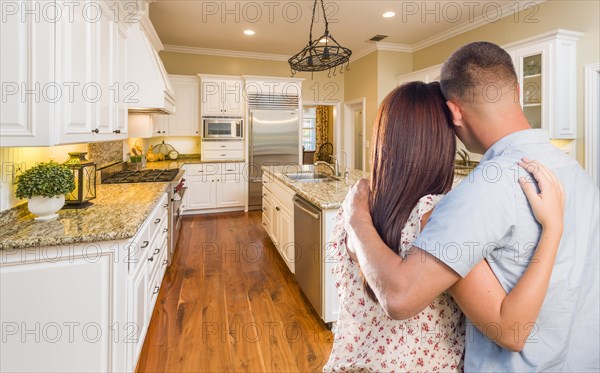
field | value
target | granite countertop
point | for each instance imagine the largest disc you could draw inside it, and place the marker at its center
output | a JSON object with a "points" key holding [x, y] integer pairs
{"points": [[328, 194], [325, 195], [179, 162], [117, 213]]}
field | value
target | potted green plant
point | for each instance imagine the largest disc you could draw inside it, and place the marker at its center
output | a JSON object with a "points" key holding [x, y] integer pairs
{"points": [[45, 186]]}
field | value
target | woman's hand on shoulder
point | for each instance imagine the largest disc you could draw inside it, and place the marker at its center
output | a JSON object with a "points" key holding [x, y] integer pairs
{"points": [[548, 204]]}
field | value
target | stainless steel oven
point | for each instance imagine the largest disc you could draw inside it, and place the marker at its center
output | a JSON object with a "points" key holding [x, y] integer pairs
{"points": [[223, 128]]}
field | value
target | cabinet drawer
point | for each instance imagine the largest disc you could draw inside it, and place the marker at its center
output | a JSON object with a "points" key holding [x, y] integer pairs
{"points": [[154, 254], [201, 169], [223, 154], [222, 145], [138, 247]]}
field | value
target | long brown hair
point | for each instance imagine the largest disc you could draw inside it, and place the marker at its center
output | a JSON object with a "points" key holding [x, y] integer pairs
{"points": [[413, 155]]}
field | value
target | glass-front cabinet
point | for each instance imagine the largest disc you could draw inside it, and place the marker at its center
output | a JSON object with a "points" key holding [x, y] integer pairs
{"points": [[546, 70]]}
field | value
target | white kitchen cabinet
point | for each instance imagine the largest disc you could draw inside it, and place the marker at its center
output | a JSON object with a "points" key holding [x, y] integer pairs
{"points": [[278, 215], [61, 73], [201, 193], [229, 193], [26, 70], [546, 71], [214, 187], [218, 150], [184, 122], [221, 96]]}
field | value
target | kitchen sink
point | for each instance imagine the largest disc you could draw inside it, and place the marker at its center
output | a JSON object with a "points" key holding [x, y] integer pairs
{"points": [[309, 177]]}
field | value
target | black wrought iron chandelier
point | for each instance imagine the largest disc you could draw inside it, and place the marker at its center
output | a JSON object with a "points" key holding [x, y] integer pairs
{"points": [[323, 53]]}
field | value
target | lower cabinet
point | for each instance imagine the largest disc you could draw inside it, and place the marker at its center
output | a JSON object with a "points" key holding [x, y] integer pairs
{"points": [[278, 218], [214, 187], [81, 307]]}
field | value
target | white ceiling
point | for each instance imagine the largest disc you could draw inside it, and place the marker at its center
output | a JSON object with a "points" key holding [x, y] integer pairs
{"points": [[282, 26]]}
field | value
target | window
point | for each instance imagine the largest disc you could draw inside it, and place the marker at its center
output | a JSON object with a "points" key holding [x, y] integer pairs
{"points": [[309, 134]]}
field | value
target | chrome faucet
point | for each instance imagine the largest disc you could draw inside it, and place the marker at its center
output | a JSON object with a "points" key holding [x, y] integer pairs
{"points": [[335, 167], [465, 156]]}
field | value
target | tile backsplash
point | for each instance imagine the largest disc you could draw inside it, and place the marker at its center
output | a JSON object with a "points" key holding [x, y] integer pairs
{"points": [[103, 153]]}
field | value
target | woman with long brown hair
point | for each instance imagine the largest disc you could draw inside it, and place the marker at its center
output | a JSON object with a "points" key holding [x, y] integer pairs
{"points": [[413, 167]]}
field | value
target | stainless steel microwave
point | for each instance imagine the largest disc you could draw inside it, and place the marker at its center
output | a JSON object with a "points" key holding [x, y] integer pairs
{"points": [[223, 128]]}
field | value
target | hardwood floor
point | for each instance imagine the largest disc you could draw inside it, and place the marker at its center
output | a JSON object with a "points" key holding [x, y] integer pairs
{"points": [[229, 303]]}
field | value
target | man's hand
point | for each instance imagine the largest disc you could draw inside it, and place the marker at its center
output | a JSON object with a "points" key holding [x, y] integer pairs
{"points": [[356, 210]]}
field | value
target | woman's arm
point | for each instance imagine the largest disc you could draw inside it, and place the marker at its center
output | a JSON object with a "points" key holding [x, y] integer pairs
{"points": [[513, 315]]}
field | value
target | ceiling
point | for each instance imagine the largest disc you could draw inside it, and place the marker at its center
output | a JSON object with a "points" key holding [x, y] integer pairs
{"points": [[282, 27]]}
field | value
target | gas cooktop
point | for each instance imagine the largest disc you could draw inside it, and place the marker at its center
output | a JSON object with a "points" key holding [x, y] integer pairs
{"points": [[141, 176]]}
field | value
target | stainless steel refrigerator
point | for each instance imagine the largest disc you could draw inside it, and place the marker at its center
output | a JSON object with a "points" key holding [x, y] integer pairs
{"points": [[274, 141]]}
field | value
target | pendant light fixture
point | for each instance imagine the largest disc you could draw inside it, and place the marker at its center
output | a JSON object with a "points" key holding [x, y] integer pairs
{"points": [[322, 53]]}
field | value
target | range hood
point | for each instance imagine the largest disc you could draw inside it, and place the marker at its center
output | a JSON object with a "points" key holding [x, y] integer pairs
{"points": [[152, 92]]}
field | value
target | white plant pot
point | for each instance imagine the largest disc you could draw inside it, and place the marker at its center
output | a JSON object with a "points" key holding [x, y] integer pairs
{"points": [[45, 207]]}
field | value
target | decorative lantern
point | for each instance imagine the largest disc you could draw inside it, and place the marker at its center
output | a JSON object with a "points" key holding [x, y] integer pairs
{"points": [[85, 181]]}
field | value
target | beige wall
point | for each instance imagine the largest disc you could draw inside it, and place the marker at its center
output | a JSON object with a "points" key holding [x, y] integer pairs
{"points": [[389, 66], [361, 82], [579, 16]]}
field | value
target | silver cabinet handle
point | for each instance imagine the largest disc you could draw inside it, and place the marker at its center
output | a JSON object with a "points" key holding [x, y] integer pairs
{"points": [[166, 205], [156, 289], [165, 262], [222, 155], [223, 146], [157, 221], [151, 259], [145, 245], [277, 208], [156, 251], [264, 209], [165, 230], [265, 224], [200, 171]]}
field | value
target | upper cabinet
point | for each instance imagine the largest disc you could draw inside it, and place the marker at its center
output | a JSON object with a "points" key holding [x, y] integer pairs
{"points": [[546, 70], [428, 75], [64, 75], [221, 96], [185, 121]]}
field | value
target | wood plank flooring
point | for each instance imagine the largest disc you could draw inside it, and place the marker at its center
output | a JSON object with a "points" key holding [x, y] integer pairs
{"points": [[228, 303]]}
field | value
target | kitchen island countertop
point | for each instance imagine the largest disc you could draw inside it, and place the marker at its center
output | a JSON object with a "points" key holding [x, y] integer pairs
{"points": [[117, 212], [325, 195]]}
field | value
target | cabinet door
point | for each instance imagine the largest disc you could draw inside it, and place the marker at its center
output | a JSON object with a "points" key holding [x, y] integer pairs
{"points": [[75, 72], [286, 237], [45, 298], [532, 66], [230, 190], [211, 97], [185, 120], [137, 319], [29, 87], [161, 125], [201, 192], [103, 63], [117, 89], [267, 209], [233, 102]]}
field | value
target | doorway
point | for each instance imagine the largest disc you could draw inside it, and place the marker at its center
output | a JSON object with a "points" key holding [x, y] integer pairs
{"points": [[356, 146]]}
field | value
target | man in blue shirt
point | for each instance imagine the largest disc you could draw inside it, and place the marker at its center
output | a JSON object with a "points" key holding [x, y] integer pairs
{"points": [[488, 217]]}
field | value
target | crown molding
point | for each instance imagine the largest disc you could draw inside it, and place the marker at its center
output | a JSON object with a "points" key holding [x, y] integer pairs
{"points": [[465, 27], [225, 53], [391, 47]]}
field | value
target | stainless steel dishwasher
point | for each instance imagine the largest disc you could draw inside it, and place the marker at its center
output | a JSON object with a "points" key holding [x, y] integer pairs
{"points": [[308, 251]]}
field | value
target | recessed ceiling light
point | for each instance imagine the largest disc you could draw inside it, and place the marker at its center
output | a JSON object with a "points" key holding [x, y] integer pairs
{"points": [[249, 32], [388, 14]]}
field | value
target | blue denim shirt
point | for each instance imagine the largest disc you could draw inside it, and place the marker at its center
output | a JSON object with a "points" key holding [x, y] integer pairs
{"points": [[488, 217]]}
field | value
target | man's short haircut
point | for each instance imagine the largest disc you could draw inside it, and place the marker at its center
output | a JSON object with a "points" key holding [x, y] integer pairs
{"points": [[473, 66]]}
